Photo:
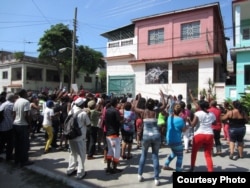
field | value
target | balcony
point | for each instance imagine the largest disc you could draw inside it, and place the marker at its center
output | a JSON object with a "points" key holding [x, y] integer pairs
{"points": [[122, 47]]}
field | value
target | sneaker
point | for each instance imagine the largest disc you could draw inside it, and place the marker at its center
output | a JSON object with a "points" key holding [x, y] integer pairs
{"points": [[70, 173], [140, 178], [157, 182], [80, 176], [167, 168]]}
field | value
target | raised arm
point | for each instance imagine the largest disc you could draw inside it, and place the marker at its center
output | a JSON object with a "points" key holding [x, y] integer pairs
{"points": [[135, 104]]}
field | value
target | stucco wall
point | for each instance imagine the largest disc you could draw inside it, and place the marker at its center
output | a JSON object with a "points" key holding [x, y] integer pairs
{"points": [[173, 45]]}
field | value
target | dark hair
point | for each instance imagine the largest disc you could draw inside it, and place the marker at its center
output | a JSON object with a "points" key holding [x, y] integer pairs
{"points": [[204, 105], [141, 103], [114, 101], [150, 104], [177, 109], [180, 97], [22, 93], [237, 104], [183, 104], [127, 106]]}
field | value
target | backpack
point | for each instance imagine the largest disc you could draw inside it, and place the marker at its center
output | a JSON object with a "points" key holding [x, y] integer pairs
{"points": [[71, 129], [1, 115]]}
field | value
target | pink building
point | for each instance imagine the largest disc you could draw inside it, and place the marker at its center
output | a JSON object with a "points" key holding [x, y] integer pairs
{"points": [[172, 51]]}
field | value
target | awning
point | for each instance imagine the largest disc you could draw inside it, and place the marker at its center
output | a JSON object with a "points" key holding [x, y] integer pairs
{"points": [[15, 86]]}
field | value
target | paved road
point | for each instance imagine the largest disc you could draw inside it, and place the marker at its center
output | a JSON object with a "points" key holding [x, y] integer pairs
{"points": [[52, 166]]}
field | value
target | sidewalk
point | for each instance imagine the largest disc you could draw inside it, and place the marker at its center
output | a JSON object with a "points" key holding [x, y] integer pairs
{"points": [[54, 165]]}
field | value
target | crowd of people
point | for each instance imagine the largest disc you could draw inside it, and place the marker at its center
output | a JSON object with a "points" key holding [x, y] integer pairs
{"points": [[110, 125]]}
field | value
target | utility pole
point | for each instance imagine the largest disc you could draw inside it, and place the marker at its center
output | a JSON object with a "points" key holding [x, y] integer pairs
{"points": [[72, 80]]}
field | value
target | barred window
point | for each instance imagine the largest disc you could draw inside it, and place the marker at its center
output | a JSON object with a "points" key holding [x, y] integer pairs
{"points": [[247, 74], [113, 45], [156, 36], [127, 43], [190, 30], [246, 33], [5, 75]]}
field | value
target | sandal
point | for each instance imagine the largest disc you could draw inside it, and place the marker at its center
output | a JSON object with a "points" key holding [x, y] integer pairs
{"points": [[231, 157]]}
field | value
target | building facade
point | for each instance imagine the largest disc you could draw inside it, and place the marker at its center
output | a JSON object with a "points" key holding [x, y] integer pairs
{"points": [[174, 51], [32, 74], [240, 53]]}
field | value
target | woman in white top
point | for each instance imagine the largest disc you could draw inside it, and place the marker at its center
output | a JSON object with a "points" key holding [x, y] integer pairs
{"points": [[203, 136], [47, 123]]}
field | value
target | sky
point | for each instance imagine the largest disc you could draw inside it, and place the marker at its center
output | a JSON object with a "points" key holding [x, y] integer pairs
{"points": [[24, 22]]}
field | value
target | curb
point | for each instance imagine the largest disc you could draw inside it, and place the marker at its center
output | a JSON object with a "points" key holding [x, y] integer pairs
{"points": [[58, 177]]}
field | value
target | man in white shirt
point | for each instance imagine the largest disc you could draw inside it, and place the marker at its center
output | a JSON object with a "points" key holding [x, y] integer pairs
{"points": [[21, 126], [78, 144]]}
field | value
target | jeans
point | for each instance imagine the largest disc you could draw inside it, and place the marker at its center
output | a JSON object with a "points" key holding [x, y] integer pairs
{"points": [[177, 151], [151, 138]]}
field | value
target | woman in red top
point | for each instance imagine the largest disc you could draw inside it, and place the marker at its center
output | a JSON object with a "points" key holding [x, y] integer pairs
{"points": [[216, 126], [139, 128]]}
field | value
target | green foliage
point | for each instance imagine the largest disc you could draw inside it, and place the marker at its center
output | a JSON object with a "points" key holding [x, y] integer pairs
{"points": [[245, 100], [210, 92], [88, 60], [60, 36], [19, 55], [103, 76]]}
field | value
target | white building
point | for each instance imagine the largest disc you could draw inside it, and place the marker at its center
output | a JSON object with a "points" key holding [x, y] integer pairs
{"points": [[31, 74]]}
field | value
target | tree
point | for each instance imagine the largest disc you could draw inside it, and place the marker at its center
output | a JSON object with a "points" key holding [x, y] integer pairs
{"points": [[57, 37], [88, 60], [245, 100], [60, 36]]}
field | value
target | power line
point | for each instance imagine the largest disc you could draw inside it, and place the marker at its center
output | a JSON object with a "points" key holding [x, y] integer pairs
{"points": [[40, 11]]}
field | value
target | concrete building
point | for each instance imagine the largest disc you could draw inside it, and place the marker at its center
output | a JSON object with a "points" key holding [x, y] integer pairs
{"points": [[32, 74], [240, 54], [173, 51]]}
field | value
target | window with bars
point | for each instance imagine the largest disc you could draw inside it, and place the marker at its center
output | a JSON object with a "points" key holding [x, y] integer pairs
{"points": [[127, 43], [190, 30], [5, 75], [246, 33], [156, 36], [247, 74]]}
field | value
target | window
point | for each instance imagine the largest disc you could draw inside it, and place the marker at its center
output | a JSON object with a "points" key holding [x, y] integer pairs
{"points": [[113, 45], [52, 76], [34, 74], [190, 30], [246, 33], [87, 79], [5, 75], [16, 74], [156, 36], [127, 43], [247, 74]]}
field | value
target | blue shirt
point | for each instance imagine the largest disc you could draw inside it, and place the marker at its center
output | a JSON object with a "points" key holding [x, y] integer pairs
{"points": [[175, 125]]}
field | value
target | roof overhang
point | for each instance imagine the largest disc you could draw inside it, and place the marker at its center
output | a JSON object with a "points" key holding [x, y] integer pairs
{"points": [[119, 57], [183, 58], [233, 51]]}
